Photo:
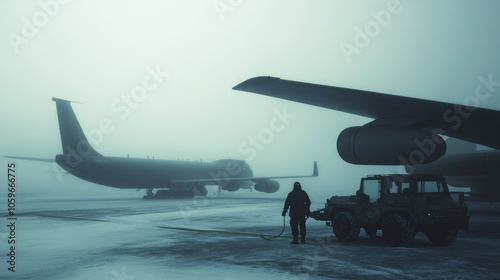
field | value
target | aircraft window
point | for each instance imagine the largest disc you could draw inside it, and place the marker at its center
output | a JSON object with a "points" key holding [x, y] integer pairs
{"points": [[372, 189]]}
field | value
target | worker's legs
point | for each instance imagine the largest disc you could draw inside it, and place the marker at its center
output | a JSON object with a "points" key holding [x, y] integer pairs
{"points": [[302, 225], [294, 225]]}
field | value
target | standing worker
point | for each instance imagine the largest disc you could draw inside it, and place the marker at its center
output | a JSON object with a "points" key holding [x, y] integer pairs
{"points": [[299, 204]]}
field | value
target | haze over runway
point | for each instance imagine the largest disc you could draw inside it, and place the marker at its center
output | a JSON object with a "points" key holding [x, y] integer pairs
{"points": [[155, 79], [216, 238]]}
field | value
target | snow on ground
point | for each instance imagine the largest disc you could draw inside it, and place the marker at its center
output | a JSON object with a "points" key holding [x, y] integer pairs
{"points": [[219, 238]]}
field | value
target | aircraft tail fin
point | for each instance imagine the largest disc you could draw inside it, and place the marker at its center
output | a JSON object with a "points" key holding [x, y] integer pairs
{"points": [[315, 170], [72, 137]]}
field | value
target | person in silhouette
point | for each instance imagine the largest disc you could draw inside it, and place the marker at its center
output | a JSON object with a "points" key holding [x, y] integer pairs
{"points": [[299, 203]]}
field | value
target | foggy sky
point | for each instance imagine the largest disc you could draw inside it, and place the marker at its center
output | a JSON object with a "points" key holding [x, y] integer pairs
{"points": [[162, 71]]}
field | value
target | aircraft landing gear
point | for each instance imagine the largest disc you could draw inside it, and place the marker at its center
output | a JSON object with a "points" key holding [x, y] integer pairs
{"points": [[186, 192], [149, 194], [200, 191]]}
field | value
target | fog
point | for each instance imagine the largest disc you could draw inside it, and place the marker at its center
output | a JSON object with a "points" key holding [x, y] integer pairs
{"points": [[161, 73]]}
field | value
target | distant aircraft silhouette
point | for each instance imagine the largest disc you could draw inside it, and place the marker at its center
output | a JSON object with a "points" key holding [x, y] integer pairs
{"points": [[174, 178], [406, 131]]}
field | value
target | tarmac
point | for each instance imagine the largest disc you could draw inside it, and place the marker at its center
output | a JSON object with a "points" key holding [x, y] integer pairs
{"points": [[220, 238]]}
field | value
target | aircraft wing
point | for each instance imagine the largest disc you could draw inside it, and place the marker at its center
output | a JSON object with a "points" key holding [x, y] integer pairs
{"points": [[477, 125], [314, 174], [253, 179]]}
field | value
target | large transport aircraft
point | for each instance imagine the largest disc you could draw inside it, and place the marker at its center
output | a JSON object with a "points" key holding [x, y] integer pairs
{"points": [[406, 131], [172, 178]]}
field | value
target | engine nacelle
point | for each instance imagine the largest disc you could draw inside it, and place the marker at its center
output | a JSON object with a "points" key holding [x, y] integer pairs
{"points": [[267, 186], [233, 186], [378, 145]]}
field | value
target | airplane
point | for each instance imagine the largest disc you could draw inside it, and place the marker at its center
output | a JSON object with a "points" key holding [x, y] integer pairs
{"points": [[406, 131], [172, 178]]}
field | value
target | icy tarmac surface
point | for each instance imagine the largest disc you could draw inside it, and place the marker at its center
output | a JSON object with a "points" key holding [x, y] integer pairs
{"points": [[219, 238]]}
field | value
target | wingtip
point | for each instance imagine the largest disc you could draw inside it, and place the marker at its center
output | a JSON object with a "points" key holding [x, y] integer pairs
{"points": [[315, 171], [244, 86]]}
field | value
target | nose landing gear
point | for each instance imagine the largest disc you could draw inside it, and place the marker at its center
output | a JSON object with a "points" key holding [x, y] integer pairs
{"points": [[184, 192]]}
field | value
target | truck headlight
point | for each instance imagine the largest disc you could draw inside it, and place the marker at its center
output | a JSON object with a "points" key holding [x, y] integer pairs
{"points": [[430, 213]]}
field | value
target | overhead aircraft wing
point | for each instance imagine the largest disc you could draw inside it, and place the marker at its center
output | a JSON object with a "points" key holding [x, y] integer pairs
{"points": [[473, 124], [253, 179]]}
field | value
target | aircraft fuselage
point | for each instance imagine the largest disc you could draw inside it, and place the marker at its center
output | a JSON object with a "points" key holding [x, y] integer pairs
{"points": [[137, 173]]}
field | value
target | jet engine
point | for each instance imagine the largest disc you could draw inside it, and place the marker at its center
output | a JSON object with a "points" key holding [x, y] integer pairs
{"points": [[267, 186], [233, 186], [378, 145]]}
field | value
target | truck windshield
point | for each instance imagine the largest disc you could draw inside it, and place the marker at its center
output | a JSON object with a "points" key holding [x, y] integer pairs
{"points": [[371, 187], [430, 187]]}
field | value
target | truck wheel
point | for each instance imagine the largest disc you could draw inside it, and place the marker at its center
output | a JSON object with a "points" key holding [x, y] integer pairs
{"points": [[398, 230], [346, 226], [442, 238]]}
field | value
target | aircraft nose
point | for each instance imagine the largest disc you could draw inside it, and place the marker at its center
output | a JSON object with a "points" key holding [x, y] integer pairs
{"points": [[247, 170]]}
